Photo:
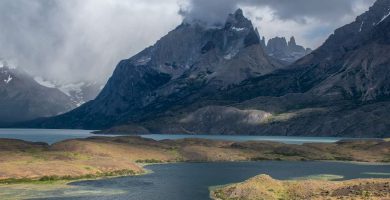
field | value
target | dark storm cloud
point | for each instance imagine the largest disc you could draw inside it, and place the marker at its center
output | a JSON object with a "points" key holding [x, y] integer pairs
{"points": [[319, 9], [310, 21], [216, 10], [209, 11], [74, 40]]}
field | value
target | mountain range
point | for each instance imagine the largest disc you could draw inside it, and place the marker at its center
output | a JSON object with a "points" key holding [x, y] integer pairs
{"points": [[287, 52], [78, 92], [23, 97], [201, 80]]}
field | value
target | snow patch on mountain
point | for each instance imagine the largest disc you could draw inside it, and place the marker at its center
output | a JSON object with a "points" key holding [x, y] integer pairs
{"points": [[361, 26], [5, 64], [231, 54], [237, 29], [72, 87], [9, 79], [44, 83], [143, 61], [384, 17], [78, 92]]}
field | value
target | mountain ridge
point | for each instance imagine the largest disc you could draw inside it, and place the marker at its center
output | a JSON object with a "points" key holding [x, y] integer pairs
{"points": [[185, 84]]}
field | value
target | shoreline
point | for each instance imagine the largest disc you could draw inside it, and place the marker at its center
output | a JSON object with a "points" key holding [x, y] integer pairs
{"points": [[105, 157], [130, 173]]}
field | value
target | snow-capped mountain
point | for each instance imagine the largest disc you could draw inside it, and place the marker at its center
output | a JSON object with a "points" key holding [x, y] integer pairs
{"points": [[22, 98], [287, 52], [79, 92]]}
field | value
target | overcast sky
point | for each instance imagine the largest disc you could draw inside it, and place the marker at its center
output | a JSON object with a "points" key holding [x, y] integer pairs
{"points": [[74, 40]]}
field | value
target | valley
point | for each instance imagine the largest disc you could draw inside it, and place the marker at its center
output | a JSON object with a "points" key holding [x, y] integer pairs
{"points": [[201, 106]]}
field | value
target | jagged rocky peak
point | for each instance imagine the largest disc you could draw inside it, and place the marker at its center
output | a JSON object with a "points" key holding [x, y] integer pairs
{"points": [[183, 47], [292, 42], [276, 44], [238, 20], [289, 52], [263, 43]]}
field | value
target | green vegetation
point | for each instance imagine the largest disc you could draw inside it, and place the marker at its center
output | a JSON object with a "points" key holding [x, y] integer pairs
{"points": [[149, 161], [325, 177], [377, 174], [51, 179]]}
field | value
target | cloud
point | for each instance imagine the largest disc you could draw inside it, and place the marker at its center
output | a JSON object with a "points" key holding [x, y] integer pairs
{"points": [[75, 40], [310, 21], [300, 10], [212, 12]]}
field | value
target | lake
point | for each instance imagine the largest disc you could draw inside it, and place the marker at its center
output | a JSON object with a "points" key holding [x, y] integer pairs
{"points": [[185, 181], [191, 181], [51, 136], [243, 138]]}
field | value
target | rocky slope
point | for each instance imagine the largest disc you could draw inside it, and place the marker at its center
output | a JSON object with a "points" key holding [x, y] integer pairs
{"points": [[22, 98]]}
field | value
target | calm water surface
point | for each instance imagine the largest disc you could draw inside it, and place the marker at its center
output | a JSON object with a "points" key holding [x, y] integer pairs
{"points": [[49, 136], [239, 138], [56, 135], [191, 181]]}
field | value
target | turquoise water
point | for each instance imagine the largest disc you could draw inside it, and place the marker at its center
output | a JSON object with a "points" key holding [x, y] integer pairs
{"points": [[49, 136], [55, 135], [191, 181], [283, 139]]}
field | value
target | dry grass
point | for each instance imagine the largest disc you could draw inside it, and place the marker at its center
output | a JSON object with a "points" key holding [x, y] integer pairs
{"points": [[102, 155]]}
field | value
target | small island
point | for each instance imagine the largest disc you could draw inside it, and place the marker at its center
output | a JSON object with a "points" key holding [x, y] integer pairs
{"points": [[264, 187]]}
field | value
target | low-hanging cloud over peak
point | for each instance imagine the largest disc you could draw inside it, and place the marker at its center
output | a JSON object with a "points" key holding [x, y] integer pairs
{"points": [[77, 40]]}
